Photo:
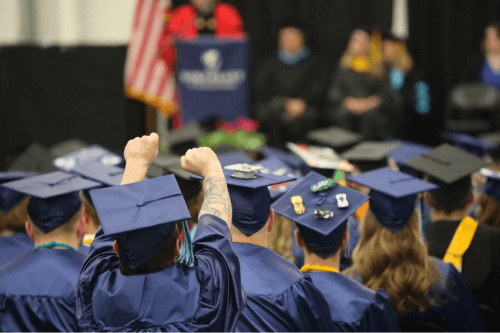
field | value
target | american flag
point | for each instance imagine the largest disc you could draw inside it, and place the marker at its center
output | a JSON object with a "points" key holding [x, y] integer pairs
{"points": [[147, 76]]}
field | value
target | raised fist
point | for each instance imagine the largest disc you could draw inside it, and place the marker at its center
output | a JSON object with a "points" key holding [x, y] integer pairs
{"points": [[142, 150], [200, 161]]}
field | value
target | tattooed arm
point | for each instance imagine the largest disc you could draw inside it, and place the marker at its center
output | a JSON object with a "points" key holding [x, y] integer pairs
{"points": [[204, 162]]}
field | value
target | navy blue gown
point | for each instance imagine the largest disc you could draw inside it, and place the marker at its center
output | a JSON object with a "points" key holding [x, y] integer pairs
{"points": [[279, 297], [353, 307], [205, 297], [37, 291], [459, 311], [11, 246]]}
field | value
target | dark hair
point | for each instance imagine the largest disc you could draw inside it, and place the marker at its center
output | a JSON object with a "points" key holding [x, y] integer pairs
{"points": [[489, 213], [332, 252], [164, 257], [451, 197]]}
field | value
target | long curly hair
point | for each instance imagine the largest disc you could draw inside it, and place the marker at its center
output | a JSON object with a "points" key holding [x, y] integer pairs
{"points": [[489, 211], [396, 262], [280, 239]]}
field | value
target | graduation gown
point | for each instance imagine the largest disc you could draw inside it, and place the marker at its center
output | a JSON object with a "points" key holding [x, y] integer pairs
{"points": [[355, 308], [37, 291], [11, 246], [205, 297], [480, 263], [279, 297], [459, 310]]}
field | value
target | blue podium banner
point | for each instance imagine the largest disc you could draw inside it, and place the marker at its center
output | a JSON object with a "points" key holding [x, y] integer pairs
{"points": [[212, 78]]}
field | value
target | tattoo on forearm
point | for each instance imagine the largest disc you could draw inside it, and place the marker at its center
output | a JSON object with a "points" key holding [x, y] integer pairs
{"points": [[217, 200]]}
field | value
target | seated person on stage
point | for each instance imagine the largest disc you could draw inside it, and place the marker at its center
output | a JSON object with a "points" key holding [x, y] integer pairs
{"points": [[452, 235], [411, 114], [391, 255], [353, 307], [290, 87], [37, 288], [13, 215], [360, 93], [136, 276], [279, 297]]}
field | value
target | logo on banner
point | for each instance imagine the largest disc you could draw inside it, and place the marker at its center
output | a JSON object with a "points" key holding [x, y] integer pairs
{"points": [[212, 77]]}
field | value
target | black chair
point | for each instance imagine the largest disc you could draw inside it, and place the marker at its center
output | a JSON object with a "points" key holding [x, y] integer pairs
{"points": [[471, 107], [490, 317]]}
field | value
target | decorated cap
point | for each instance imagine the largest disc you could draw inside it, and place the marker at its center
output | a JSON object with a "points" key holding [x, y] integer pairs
{"points": [[10, 198], [322, 236], [140, 215], [54, 197], [392, 196], [94, 153], [492, 186], [470, 144], [274, 165], [335, 137], [249, 194]]}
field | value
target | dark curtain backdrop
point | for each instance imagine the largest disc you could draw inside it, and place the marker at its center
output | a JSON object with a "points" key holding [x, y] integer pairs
{"points": [[443, 35]]}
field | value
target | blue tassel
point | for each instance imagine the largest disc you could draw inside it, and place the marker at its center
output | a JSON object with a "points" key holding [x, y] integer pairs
{"points": [[186, 251]]}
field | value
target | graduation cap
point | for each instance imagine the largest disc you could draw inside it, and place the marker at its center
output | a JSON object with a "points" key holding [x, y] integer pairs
{"points": [[393, 195], [492, 186], [321, 236], [231, 158], [289, 158], [36, 158], [450, 168], [472, 145], [407, 151], [250, 197], [276, 166], [94, 153], [10, 198], [109, 175], [335, 137], [54, 197], [370, 155], [140, 215]]}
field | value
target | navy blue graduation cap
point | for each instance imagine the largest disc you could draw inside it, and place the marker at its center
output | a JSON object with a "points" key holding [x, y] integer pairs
{"points": [[10, 198], [393, 195], [492, 186], [276, 166], [106, 174], [90, 154], [140, 215], [54, 197], [235, 157], [407, 151], [249, 194], [289, 158], [472, 145], [322, 236]]}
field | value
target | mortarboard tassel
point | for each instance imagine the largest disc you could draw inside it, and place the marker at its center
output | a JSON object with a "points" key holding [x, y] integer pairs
{"points": [[186, 251]]}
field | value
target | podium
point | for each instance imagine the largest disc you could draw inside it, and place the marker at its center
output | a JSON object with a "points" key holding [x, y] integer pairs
{"points": [[212, 78]]}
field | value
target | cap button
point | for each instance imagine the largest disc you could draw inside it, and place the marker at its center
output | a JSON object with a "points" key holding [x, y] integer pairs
{"points": [[140, 203]]}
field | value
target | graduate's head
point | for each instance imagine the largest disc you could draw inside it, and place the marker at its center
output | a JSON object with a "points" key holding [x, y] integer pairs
{"points": [[203, 5], [56, 218], [450, 168], [13, 204], [322, 227], [489, 201], [92, 222], [292, 35], [250, 197], [144, 219], [491, 42], [279, 240]]}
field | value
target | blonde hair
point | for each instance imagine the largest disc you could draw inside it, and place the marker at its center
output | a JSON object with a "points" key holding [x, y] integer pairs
{"points": [[403, 60], [396, 262], [489, 212], [373, 56], [280, 238], [91, 212], [14, 219]]}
